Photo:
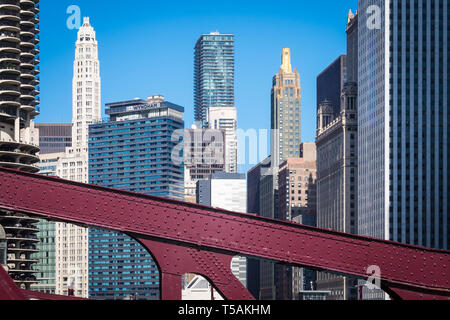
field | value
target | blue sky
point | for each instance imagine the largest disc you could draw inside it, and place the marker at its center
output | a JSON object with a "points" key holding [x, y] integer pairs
{"points": [[146, 48]]}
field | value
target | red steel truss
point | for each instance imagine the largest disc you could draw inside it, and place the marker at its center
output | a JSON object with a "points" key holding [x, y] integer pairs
{"points": [[186, 238]]}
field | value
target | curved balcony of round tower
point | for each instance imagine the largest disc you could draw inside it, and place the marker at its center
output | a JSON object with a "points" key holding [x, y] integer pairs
{"points": [[9, 90], [21, 234], [28, 73], [27, 3], [27, 52], [27, 95], [10, 66], [20, 166], [28, 101], [13, 26], [9, 11], [10, 4], [9, 106], [27, 41], [27, 62], [9, 58], [27, 83], [36, 111], [7, 216], [26, 20], [7, 78], [12, 47], [26, 148], [27, 31], [18, 157], [36, 6], [27, 12], [27, 7], [9, 38]]}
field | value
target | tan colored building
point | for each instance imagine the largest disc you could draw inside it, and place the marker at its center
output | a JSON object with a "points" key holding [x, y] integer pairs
{"points": [[286, 112], [297, 201], [297, 184]]}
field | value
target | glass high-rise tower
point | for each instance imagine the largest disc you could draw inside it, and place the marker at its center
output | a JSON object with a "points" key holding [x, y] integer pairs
{"points": [[403, 121], [132, 152], [213, 73]]}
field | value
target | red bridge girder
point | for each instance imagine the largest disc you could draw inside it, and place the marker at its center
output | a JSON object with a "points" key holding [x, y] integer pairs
{"points": [[187, 238]]}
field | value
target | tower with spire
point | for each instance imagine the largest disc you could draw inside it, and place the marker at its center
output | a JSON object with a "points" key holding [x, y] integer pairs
{"points": [[286, 111], [86, 96], [72, 242]]}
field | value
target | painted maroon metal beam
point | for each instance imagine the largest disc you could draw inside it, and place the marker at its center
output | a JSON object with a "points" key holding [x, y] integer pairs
{"points": [[414, 269], [8, 289]]}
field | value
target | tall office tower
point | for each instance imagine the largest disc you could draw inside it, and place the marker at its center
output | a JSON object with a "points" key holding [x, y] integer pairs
{"points": [[133, 151], [337, 166], [213, 73], [54, 137], [204, 154], [71, 240], [352, 48], [226, 191], [225, 118], [403, 122], [86, 94], [297, 186], [48, 166], [337, 142], [263, 201], [330, 83], [403, 185], [297, 202], [286, 112], [19, 77]]}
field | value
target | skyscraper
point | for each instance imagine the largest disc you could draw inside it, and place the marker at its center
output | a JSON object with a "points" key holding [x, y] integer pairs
{"points": [[46, 247], [262, 199], [225, 118], [132, 151], [286, 112], [403, 115], [297, 198], [19, 90], [19, 39], [330, 83], [86, 95], [226, 191], [213, 73], [337, 162], [54, 137], [204, 154], [72, 241]]}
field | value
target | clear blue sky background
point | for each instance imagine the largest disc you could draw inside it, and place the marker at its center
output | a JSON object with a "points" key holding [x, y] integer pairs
{"points": [[146, 48]]}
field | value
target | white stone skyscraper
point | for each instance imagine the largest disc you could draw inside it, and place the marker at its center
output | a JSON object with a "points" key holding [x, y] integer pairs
{"points": [[72, 242], [225, 118], [86, 85]]}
